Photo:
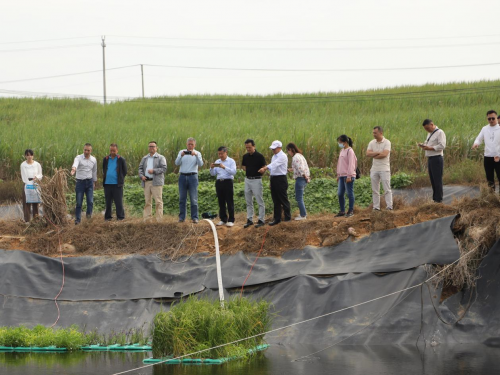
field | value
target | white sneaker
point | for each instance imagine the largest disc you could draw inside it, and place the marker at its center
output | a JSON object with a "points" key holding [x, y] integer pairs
{"points": [[301, 218], [230, 224], [220, 223]]}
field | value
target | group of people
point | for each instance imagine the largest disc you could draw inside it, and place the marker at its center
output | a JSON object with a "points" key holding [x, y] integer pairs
{"points": [[153, 167]]}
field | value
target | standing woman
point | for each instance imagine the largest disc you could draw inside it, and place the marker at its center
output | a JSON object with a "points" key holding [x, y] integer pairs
{"points": [[30, 170], [346, 174], [301, 176]]}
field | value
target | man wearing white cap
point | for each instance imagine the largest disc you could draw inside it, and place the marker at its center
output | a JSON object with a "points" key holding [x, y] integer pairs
{"points": [[279, 182]]}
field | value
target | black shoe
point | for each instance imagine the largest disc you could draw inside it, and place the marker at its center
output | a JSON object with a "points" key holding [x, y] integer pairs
{"points": [[108, 219], [340, 214], [248, 224], [349, 214], [260, 224], [274, 222], [89, 217]]}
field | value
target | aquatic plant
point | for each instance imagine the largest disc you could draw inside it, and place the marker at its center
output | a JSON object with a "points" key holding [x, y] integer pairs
{"points": [[198, 324]]}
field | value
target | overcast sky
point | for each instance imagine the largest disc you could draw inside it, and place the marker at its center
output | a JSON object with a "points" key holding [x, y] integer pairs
{"points": [[302, 38]]}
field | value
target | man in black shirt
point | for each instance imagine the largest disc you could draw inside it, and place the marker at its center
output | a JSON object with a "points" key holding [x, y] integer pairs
{"points": [[252, 162]]}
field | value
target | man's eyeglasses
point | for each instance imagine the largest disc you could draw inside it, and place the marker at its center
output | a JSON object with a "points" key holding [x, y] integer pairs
{"points": [[491, 118]]}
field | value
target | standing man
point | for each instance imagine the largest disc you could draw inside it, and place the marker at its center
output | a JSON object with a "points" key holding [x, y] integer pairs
{"points": [[434, 145], [189, 161], [252, 162], [85, 168], [225, 169], [380, 149], [490, 135], [152, 170], [114, 170], [279, 182]]}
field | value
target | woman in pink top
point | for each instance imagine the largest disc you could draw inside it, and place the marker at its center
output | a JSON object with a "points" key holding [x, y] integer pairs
{"points": [[346, 174]]}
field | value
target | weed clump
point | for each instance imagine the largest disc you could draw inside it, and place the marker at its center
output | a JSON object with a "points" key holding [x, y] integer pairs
{"points": [[199, 324]]}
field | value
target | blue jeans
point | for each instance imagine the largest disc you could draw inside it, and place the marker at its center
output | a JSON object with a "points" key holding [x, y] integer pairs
{"points": [[343, 187], [188, 184], [300, 185], [84, 187]]}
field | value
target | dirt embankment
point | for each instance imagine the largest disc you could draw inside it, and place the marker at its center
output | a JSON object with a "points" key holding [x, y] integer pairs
{"points": [[169, 239], [476, 227]]}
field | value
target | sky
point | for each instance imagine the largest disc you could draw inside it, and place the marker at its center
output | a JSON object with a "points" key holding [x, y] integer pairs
{"points": [[245, 47]]}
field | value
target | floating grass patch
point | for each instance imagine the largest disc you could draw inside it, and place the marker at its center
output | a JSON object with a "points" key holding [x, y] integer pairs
{"points": [[199, 324], [40, 338]]}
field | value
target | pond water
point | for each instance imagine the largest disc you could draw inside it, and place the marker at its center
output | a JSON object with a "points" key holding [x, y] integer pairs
{"points": [[278, 359]]}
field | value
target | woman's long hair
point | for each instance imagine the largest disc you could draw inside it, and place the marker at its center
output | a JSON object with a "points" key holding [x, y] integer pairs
{"points": [[293, 147]]}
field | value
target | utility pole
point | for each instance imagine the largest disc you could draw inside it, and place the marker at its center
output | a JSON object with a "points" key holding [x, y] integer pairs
{"points": [[142, 75], [103, 44]]}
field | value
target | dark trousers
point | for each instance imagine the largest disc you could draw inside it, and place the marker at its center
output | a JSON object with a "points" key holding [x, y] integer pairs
{"points": [[225, 195], [279, 193], [114, 193], [27, 208], [435, 166], [84, 187], [490, 167]]}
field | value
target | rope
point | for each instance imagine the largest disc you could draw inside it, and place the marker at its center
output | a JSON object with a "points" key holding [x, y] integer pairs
{"points": [[255, 261], [306, 320], [63, 272]]}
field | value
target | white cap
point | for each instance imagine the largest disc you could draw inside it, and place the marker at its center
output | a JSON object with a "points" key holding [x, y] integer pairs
{"points": [[275, 144]]}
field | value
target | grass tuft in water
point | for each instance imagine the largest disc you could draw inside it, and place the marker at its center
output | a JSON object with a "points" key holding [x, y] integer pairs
{"points": [[198, 324]]}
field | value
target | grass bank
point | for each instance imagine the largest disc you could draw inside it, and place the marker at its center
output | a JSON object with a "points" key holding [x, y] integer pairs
{"points": [[56, 129]]}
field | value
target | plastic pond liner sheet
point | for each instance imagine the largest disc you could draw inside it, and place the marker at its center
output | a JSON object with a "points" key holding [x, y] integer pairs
{"points": [[120, 294], [25, 274]]}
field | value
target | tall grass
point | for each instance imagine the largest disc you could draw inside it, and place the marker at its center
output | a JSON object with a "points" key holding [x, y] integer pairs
{"points": [[56, 129], [198, 324]]}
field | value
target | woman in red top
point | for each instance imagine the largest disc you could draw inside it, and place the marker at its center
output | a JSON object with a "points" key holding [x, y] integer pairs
{"points": [[346, 174]]}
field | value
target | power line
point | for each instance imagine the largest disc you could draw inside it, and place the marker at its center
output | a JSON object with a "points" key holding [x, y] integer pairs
{"points": [[67, 75], [285, 100], [307, 40], [324, 70], [46, 48], [304, 48], [49, 40]]}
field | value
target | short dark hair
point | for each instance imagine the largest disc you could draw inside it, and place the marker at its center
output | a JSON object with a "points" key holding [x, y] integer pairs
{"points": [[28, 151], [87, 144], [156, 144], [293, 147], [222, 148], [113, 145], [345, 138], [250, 141], [427, 121], [379, 128], [491, 111]]}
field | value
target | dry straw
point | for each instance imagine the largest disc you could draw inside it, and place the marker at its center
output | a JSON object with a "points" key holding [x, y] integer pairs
{"points": [[53, 193]]}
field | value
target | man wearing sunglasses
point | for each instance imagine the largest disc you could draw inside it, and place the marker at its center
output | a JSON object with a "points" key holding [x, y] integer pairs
{"points": [[490, 135]]}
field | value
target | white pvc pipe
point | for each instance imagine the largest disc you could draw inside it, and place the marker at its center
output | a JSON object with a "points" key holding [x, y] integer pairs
{"points": [[217, 261]]}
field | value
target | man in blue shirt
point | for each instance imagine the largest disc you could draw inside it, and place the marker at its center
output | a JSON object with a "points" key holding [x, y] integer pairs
{"points": [[189, 160], [225, 169], [114, 170]]}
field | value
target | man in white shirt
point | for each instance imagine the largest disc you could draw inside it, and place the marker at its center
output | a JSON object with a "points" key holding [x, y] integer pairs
{"points": [[85, 169], [225, 169], [490, 135], [380, 149], [279, 182]]}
